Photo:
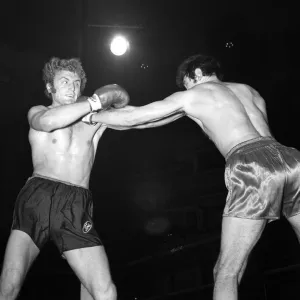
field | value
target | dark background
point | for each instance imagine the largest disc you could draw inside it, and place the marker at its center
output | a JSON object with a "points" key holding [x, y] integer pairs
{"points": [[159, 193]]}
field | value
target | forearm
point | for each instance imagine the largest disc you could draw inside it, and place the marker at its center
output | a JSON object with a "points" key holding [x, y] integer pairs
{"points": [[62, 116], [160, 122], [157, 123]]}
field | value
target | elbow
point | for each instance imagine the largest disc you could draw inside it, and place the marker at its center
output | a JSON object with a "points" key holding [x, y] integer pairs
{"points": [[44, 124], [49, 125]]}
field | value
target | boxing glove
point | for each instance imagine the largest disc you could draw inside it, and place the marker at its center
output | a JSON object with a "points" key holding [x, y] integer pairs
{"points": [[108, 95]]}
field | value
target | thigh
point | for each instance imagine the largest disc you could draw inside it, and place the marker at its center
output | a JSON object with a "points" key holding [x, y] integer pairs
{"points": [[238, 238], [295, 222], [73, 227], [19, 254], [291, 202], [91, 267]]}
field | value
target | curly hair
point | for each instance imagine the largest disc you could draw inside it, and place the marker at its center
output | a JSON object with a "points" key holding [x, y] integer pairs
{"points": [[208, 65], [55, 64]]}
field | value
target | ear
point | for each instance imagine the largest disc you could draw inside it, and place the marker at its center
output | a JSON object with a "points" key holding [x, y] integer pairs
{"points": [[49, 88], [198, 72]]}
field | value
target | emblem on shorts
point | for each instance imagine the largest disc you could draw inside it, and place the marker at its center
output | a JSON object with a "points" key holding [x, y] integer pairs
{"points": [[87, 226]]}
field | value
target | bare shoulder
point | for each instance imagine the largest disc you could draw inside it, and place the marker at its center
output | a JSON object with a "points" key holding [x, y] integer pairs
{"points": [[207, 88], [252, 92], [204, 91], [36, 109], [249, 88], [196, 91], [243, 90], [248, 93], [242, 87], [34, 112]]}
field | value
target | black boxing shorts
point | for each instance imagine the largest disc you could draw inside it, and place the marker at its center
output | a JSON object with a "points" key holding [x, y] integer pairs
{"points": [[48, 209], [263, 179]]}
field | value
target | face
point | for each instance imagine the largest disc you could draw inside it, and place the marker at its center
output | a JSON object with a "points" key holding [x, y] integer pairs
{"points": [[66, 87]]}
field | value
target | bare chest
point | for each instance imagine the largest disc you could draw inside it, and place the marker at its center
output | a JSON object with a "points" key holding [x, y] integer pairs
{"points": [[73, 140]]}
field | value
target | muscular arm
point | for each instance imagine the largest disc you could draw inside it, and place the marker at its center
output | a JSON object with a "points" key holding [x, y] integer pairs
{"points": [[130, 116], [46, 119], [153, 124]]}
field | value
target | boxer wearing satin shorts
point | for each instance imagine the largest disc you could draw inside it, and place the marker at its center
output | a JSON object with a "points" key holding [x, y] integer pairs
{"points": [[262, 176]]}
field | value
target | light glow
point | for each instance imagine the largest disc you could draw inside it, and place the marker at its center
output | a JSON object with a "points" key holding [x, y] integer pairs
{"points": [[119, 45]]}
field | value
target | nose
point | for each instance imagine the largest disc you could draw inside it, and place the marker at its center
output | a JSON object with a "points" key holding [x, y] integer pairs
{"points": [[72, 87]]}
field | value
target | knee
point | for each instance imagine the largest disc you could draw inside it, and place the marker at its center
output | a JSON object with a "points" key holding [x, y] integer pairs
{"points": [[107, 293], [10, 283], [215, 271], [223, 272]]}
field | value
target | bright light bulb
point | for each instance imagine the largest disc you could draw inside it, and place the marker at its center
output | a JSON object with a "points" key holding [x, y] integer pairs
{"points": [[119, 45]]}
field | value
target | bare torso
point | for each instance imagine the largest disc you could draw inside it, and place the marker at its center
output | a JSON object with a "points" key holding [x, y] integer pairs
{"points": [[229, 113], [65, 154]]}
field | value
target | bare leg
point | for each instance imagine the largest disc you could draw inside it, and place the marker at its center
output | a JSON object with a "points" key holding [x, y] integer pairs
{"points": [[242, 271], [19, 255], [84, 293], [238, 239], [92, 268]]}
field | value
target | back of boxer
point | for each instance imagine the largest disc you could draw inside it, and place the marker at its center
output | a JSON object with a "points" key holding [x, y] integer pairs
{"points": [[262, 176]]}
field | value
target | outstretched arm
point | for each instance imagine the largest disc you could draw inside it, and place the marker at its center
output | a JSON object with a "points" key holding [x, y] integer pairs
{"points": [[130, 116], [153, 124]]}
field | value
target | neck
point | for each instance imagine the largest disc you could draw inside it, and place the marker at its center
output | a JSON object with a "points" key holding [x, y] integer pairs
{"points": [[55, 104], [208, 79]]}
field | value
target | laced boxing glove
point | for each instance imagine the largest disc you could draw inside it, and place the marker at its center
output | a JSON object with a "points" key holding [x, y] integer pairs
{"points": [[104, 97]]}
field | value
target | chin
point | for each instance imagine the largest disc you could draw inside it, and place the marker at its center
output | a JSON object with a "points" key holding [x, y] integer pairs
{"points": [[69, 100]]}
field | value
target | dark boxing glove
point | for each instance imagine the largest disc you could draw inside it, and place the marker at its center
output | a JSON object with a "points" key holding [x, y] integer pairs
{"points": [[108, 95]]}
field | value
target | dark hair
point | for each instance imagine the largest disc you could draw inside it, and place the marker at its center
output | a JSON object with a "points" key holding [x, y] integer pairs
{"points": [[55, 64], [208, 65]]}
